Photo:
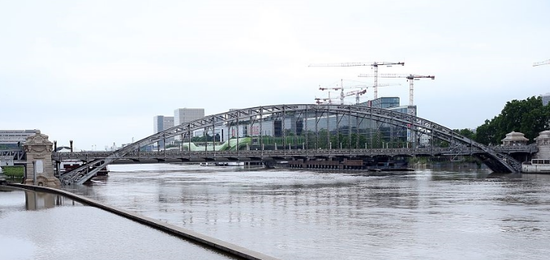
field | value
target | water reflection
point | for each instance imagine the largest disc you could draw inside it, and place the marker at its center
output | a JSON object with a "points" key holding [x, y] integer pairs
{"points": [[41, 200], [16, 199]]}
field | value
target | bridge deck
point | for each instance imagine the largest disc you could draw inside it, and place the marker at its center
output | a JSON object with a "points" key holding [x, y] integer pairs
{"points": [[258, 155]]}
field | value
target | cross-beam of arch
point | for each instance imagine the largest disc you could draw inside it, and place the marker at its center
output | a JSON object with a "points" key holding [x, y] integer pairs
{"points": [[257, 114], [60, 148]]}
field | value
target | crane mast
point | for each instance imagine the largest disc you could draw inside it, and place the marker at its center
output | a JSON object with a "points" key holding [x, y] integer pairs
{"points": [[374, 65], [540, 63], [323, 100], [357, 93], [410, 78], [341, 88]]}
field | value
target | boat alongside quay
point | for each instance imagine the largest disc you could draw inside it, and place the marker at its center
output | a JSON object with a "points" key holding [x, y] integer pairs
{"points": [[346, 164], [536, 166]]}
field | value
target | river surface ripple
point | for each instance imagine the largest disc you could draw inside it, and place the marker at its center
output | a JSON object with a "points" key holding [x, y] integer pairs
{"points": [[315, 215]]}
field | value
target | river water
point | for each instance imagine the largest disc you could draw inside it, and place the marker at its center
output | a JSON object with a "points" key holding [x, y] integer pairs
{"points": [[318, 215]]}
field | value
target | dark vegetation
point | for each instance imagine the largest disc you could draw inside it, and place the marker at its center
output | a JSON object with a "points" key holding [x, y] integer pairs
{"points": [[528, 116], [14, 171]]}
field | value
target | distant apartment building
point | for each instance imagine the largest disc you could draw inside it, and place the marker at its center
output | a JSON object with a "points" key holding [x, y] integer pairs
{"points": [[14, 139], [186, 115], [545, 99], [161, 123]]}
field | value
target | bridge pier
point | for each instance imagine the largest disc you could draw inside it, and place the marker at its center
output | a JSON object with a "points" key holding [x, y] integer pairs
{"points": [[40, 170]]}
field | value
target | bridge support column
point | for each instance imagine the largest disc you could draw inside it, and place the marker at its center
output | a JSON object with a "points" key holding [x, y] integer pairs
{"points": [[39, 162]]}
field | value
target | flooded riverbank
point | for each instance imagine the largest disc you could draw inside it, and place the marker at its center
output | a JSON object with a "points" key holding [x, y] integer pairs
{"points": [[36, 225]]}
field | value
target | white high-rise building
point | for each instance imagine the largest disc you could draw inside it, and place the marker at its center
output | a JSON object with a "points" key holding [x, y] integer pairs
{"points": [[545, 99], [186, 115], [12, 138], [161, 123]]}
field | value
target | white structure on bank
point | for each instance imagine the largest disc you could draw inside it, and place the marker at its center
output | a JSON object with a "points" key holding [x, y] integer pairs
{"points": [[543, 143], [541, 161], [514, 138]]}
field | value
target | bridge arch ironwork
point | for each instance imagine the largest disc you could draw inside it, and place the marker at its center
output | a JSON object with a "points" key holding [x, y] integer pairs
{"points": [[307, 114]]}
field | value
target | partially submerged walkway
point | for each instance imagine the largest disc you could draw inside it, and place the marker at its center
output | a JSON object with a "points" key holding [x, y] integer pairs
{"points": [[202, 240]]}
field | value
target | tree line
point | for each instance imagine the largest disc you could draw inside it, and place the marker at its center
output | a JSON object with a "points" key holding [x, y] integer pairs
{"points": [[528, 116]]}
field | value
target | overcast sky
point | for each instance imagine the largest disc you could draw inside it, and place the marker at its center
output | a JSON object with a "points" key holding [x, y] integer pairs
{"points": [[97, 72]]}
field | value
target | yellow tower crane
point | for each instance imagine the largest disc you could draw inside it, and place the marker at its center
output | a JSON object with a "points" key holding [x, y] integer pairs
{"points": [[374, 65], [410, 78]]}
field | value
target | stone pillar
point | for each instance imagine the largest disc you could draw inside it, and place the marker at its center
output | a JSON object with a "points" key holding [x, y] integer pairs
{"points": [[39, 161], [543, 144]]}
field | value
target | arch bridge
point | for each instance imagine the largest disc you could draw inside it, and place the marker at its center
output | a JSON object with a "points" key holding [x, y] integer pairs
{"points": [[270, 132], [16, 156]]}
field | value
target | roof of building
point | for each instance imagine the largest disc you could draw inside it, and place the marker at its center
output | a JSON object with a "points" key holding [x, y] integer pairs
{"points": [[515, 137], [543, 135]]}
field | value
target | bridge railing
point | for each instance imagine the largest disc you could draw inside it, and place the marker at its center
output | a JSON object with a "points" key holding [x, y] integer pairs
{"points": [[244, 155], [530, 149]]}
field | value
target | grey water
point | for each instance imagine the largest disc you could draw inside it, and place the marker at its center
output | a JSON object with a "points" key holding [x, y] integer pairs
{"points": [[291, 214]]}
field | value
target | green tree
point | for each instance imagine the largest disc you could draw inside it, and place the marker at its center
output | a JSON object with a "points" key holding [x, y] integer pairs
{"points": [[528, 116], [466, 133]]}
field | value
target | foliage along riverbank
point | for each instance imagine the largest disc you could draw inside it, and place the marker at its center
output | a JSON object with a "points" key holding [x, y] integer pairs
{"points": [[13, 171], [528, 116]]}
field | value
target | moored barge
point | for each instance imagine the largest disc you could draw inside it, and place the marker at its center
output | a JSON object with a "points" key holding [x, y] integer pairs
{"points": [[347, 164]]}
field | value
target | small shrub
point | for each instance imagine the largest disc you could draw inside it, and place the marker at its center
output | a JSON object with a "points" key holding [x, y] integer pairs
{"points": [[14, 171]]}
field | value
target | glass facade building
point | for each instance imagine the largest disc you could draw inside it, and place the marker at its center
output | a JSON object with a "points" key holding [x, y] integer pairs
{"points": [[318, 129], [383, 102]]}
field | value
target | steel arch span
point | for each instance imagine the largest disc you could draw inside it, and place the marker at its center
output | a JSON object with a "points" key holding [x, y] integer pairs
{"points": [[307, 121]]}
